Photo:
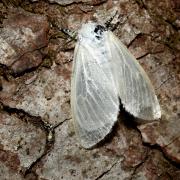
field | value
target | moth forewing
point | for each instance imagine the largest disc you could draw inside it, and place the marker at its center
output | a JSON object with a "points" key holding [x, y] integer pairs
{"points": [[94, 97], [134, 86]]}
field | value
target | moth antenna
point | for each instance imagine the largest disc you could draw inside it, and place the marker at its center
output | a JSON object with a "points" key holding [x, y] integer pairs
{"points": [[108, 22], [70, 33]]}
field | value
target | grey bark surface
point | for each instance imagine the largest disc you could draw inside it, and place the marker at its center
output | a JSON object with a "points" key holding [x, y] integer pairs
{"points": [[37, 139]]}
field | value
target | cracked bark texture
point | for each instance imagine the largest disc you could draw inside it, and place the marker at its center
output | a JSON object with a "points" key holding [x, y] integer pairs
{"points": [[37, 139]]}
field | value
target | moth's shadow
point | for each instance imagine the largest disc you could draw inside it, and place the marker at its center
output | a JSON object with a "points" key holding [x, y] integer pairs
{"points": [[124, 119]]}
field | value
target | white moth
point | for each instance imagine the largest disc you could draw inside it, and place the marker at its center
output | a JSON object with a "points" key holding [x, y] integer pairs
{"points": [[104, 71]]}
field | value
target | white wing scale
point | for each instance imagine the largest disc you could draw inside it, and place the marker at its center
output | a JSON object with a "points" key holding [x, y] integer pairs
{"points": [[135, 89]]}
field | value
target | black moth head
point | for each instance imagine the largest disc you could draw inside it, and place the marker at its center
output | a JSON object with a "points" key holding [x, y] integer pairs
{"points": [[98, 31]]}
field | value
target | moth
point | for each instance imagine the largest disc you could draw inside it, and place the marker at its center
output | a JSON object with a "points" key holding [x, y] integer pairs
{"points": [[104, 71]]}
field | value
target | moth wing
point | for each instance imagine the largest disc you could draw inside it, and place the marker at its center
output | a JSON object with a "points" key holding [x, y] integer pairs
{"points": [[135, 89], [94, 98]]}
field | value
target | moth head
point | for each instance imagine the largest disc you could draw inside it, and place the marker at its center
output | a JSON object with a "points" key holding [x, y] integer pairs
{"points": [[92, 31]]}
